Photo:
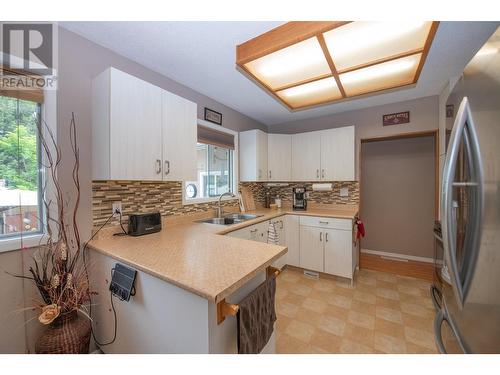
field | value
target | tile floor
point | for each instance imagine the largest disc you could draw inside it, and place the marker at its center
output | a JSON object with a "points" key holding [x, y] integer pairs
{"points": [[382, 313]]}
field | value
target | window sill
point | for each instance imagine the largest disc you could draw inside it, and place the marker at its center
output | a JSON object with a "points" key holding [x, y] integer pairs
{"points": [[186, 202], [15, 243]]}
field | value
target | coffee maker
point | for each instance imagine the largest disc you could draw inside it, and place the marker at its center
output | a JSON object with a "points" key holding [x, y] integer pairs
{"points": [[299, 198]]}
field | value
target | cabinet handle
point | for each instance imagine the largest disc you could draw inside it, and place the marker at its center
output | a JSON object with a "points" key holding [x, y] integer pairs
{"points": [[320, 236], [281, 222], [323, 222], [254, 230], [260, 173], [269, 174], [317, 173], [158, 166], [326, 237], [167, 167], [322, 173]]}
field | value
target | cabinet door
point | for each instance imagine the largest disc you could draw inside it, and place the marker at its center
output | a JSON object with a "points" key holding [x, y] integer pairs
{"points": [[279, 161], [179, 138], [311, 248], [253, 155], [292, 238], [338, 252], [262, 144], [337, 154], [135, 128], [306, 156]]}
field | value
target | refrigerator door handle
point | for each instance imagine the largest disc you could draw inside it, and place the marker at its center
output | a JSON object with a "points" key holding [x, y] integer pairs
{"points": [[462, 129], [438, 322]]}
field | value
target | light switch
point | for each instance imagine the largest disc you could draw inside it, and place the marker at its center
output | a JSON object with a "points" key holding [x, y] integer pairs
{"points": [[344, 192]]}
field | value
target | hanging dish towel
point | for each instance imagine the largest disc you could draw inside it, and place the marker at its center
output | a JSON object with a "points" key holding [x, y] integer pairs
{"points": [[361, 228], [256, 317], [272, 234]]}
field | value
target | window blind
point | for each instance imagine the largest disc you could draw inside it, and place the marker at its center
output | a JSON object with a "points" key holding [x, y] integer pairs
{"points": [[214, 137], [29, 92]]}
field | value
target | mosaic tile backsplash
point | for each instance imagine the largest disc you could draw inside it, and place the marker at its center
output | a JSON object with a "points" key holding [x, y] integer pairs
{"points": [[259, 190], [166, 197], [143, 196]]}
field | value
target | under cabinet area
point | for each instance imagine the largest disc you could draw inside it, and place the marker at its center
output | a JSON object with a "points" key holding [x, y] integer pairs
{"points": [[140, 131]]}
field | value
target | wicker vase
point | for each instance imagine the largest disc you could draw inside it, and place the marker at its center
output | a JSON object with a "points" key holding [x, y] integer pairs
{"points": [[68, 334]]}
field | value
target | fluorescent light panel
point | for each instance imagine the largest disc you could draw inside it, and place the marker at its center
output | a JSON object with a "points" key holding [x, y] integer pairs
{"points": [[359, 43], [367, 57], [297, 63], [311, 93]]}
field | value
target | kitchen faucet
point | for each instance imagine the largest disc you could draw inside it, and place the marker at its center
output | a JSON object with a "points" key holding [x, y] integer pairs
{"points": [[219, 208]]}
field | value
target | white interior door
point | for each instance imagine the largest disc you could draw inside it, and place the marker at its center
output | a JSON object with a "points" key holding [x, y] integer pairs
{"points": [[135, 128], [279, 156], [306, 156], [179, 138], [311, 248]]}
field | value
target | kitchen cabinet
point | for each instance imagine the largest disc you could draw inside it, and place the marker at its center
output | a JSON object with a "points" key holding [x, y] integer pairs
{"points": [[179, 130], [306, 156], [337, 154], [256, 232], [339, 256], [326, 155], [311, 248], [141, 132], [326, 245], [253, 155], [279, 162], [292, 240]]}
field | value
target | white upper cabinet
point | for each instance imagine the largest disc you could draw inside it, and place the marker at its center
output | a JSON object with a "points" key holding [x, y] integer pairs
{"points": [[126, 130], [253, 155], [337, 154], [306, 156], [279, 157], [179, 120], [139, 130]]}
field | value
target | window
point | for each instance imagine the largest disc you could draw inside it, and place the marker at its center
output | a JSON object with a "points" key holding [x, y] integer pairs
{"points": [[214, 172], [20, 168]]}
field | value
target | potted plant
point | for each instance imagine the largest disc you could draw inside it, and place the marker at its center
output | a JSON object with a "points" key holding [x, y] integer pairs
{"points": [[58, 269]]}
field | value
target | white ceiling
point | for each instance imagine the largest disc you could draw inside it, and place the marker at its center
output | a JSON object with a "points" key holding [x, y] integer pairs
{"points": [[201, 55]]}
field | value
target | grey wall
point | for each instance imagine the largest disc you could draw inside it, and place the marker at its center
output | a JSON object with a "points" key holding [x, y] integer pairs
{"points": [[397, 195], [368, 121]]}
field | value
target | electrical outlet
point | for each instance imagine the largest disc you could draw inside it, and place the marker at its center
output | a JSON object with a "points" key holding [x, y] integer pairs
{"points": [[117, 207], [344, 192]]}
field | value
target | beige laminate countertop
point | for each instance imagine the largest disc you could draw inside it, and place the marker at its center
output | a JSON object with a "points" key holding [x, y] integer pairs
{"points": [[197, 257]]}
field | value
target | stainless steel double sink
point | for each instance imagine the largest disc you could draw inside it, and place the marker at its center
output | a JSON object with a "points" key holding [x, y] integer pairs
{"points": [[229, 219]]}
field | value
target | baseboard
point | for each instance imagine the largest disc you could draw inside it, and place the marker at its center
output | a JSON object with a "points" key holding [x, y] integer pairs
{"points": [[398, 256]]}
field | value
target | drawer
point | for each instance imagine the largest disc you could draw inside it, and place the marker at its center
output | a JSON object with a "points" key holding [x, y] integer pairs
{"points": [[326, 222]]}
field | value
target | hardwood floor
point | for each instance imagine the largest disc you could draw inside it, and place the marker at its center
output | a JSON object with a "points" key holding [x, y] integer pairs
{"points": [[420, 270]]}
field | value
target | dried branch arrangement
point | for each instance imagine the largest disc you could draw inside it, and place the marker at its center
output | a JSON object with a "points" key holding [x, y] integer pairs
{"points": [[58, 270]]}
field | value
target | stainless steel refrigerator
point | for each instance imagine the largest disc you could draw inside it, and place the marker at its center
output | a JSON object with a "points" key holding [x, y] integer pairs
{"points": [[468, 318]]}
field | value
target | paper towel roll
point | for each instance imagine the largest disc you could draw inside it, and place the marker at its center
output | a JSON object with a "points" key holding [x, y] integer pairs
{"points": [[322, 187]]}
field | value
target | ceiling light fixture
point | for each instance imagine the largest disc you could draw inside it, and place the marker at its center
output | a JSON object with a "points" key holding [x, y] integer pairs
{"points": [[305, 64]]}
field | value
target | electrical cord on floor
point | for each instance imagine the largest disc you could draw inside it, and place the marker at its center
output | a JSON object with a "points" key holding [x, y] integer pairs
{"points": [[84, 252]]}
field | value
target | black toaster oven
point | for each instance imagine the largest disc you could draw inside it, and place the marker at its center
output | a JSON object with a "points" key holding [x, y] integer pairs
{"points": [[140, 224]]}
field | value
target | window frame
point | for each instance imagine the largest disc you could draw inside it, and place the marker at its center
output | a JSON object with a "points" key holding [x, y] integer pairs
{"points": [[235, 165], [48, 114]]}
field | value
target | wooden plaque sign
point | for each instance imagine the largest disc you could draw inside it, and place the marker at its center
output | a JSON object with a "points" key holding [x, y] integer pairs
{"points": [[396, 118]]}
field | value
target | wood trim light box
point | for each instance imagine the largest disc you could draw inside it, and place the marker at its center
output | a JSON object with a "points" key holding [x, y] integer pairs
{"points": [[308, 63]]}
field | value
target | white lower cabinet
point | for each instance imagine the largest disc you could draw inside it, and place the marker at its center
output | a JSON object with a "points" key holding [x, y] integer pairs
{"points": [[314, 243], [292, 240], [326, 245], [311, 248], [339, 255]]}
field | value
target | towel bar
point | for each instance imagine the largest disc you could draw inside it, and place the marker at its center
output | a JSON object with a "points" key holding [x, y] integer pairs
{"points": [[228, 309]]}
